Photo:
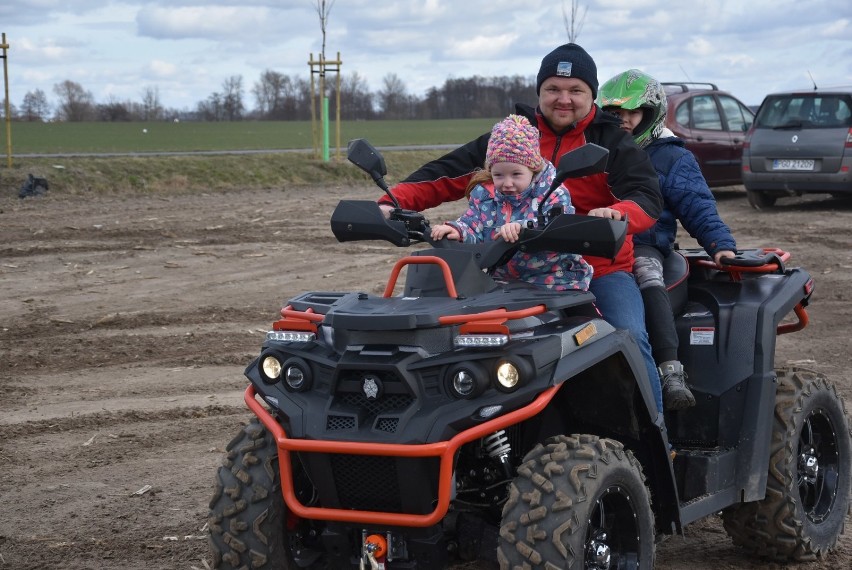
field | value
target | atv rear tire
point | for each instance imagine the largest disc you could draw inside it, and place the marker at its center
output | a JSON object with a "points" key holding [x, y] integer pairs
{"points": [[248, 516], [808, 488], [578, 502]]}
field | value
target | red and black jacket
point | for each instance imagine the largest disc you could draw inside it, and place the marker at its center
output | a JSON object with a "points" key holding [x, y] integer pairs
{"points": [[629, 185]]}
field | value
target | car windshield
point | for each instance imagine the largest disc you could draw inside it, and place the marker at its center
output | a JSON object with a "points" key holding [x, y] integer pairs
{"points": [[811, 110]]}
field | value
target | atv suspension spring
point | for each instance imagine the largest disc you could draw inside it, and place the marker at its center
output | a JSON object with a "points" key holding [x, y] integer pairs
{"points": [[498, 447]]}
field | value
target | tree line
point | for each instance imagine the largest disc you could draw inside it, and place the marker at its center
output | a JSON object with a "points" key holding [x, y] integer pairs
{"points": [[279, 97]]}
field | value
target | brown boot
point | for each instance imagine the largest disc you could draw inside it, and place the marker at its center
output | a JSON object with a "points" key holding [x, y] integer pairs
{"points": [[676, 394]]}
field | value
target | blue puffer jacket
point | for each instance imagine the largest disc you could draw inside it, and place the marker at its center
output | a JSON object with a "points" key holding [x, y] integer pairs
{"points": [[687, 198]]}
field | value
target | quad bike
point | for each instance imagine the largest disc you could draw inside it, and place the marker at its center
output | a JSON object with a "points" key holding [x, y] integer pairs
{"points": [[466, 418]]}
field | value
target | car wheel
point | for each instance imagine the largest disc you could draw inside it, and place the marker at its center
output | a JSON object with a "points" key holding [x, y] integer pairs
{"points": [[578, 502], [808, 487], [760, 200]]}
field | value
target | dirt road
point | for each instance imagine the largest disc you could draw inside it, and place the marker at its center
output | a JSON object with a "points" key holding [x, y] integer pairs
{"points": [[126, 322]]}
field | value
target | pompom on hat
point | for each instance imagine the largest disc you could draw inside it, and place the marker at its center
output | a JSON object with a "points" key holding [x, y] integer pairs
{"points": [[569, 60], [514, 140]]}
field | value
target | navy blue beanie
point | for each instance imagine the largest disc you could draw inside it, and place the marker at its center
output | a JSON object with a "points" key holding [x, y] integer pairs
{"points": [[569, 60]]}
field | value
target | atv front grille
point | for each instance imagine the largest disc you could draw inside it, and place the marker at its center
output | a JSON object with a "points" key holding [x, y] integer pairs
{"points": [[334, 423], [352, 409], [387, 424], [386, 404], [368, 483]]}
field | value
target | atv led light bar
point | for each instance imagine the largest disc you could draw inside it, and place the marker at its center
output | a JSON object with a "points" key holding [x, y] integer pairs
{"points": [[480, 340], [290, 336]]}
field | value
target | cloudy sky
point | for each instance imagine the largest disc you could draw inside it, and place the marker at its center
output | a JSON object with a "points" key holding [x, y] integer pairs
{"points": [[187, 48]]}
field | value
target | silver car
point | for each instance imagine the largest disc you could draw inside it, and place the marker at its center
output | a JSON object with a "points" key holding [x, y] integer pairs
{"points": [[800, 142]]}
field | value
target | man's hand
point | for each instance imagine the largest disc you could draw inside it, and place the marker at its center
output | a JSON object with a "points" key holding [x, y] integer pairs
{"points": [[606, 213], [386, 209]]}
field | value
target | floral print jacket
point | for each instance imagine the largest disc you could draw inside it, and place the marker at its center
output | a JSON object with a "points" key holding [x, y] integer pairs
{"points": [[488, 209]]}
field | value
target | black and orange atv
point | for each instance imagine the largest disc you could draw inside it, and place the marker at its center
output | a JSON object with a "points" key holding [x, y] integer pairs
{"points": [[467, 418]]}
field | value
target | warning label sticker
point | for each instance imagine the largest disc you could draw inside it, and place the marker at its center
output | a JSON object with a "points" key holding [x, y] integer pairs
{"points": [[702, 335]]}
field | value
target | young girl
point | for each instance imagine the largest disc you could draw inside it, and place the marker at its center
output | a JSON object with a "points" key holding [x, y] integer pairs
{"points": [[507, 194]]}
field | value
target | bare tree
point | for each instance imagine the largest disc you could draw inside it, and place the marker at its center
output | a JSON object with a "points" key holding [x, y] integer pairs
{"points": [[35, 106], [232, 98], [268, 92], [114, 110], [323, 10], [75, 103], [356, 101], [152, 109], [575, 23], [393, 100]]}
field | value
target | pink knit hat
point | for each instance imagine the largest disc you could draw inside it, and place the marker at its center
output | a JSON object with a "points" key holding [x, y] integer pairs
{"points": [[514, 140]]}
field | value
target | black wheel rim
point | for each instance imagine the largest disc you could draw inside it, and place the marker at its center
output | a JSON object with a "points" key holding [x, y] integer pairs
{"points": [[818, 466], [612, 538]]}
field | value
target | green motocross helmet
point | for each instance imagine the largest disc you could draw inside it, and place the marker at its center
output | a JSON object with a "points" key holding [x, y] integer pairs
{"points": [[634, 89]]}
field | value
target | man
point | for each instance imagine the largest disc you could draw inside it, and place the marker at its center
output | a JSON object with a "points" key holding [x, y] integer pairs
{"points": [[567, 118]]}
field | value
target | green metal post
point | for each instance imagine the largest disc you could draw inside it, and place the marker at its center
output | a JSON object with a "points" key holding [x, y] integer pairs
{"points": [[325, 128]]}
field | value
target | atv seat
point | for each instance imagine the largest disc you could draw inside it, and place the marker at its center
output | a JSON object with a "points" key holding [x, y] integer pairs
{"points": [[675, 275]]}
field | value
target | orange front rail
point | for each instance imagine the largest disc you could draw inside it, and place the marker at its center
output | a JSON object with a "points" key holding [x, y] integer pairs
{"points": [[445, 450]]}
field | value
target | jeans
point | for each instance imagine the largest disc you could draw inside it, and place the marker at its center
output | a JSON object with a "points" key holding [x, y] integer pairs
{"points": [[619, 300]]}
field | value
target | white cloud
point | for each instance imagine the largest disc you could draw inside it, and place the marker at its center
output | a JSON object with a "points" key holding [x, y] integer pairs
{"points": [[187, 48]]}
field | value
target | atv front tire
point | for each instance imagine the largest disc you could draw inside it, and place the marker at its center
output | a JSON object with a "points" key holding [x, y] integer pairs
{"points": [[808, 488], [248, 517], [578, 502]]}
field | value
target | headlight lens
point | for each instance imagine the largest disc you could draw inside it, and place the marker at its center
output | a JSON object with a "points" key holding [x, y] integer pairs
{"points": [[297, 375], [271, 368], [467, 380], [507, 375], [463, 383]]}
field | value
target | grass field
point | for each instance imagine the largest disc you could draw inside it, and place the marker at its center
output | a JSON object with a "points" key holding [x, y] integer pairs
{"points": [[76, 173], [100, 137]]}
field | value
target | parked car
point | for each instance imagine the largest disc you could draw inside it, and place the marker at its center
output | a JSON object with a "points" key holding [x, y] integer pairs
{"points": [[713, 123], [800, 142]]}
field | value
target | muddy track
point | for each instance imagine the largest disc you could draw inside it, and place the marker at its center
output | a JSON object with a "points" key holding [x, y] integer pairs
{"points": [[126, 323]]}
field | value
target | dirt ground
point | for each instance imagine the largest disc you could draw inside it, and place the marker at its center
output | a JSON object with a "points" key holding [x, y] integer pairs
{"points": [[126, 322]]}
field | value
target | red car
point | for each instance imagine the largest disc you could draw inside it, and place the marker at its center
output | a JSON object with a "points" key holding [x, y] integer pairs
{"points": [[713, 124]]}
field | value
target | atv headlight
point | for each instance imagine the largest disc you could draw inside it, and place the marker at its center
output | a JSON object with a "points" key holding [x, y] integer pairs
{"points": [[467, 380], [511, 373], [297, 375], [270, 368]]}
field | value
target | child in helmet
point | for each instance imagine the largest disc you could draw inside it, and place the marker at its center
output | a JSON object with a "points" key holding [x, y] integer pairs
{"points": [[640, 101], [507, 194]]}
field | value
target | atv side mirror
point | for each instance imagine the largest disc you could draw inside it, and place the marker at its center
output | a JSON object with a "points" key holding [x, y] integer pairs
{"points": [[588, 159], [583, 161], [365, 156]]}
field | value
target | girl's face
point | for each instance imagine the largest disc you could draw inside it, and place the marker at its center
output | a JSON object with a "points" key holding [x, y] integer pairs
{"points": [[630, 118], [510, 178]]}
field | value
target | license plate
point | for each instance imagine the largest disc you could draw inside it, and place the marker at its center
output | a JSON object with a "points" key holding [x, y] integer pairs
{"points": [[785, 164]]}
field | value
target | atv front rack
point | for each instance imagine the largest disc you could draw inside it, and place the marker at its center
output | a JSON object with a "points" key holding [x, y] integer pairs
{"points": [[444, 450]]}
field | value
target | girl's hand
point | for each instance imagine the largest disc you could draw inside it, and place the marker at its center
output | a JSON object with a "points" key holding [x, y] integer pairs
{"points": [[445, 231], [510, 232]]}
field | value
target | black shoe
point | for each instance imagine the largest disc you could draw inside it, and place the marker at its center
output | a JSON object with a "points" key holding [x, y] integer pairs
{"points": [[676, 394]]}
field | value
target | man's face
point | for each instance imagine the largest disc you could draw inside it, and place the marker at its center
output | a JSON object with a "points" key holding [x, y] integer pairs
{"points": [[564, 100]]}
